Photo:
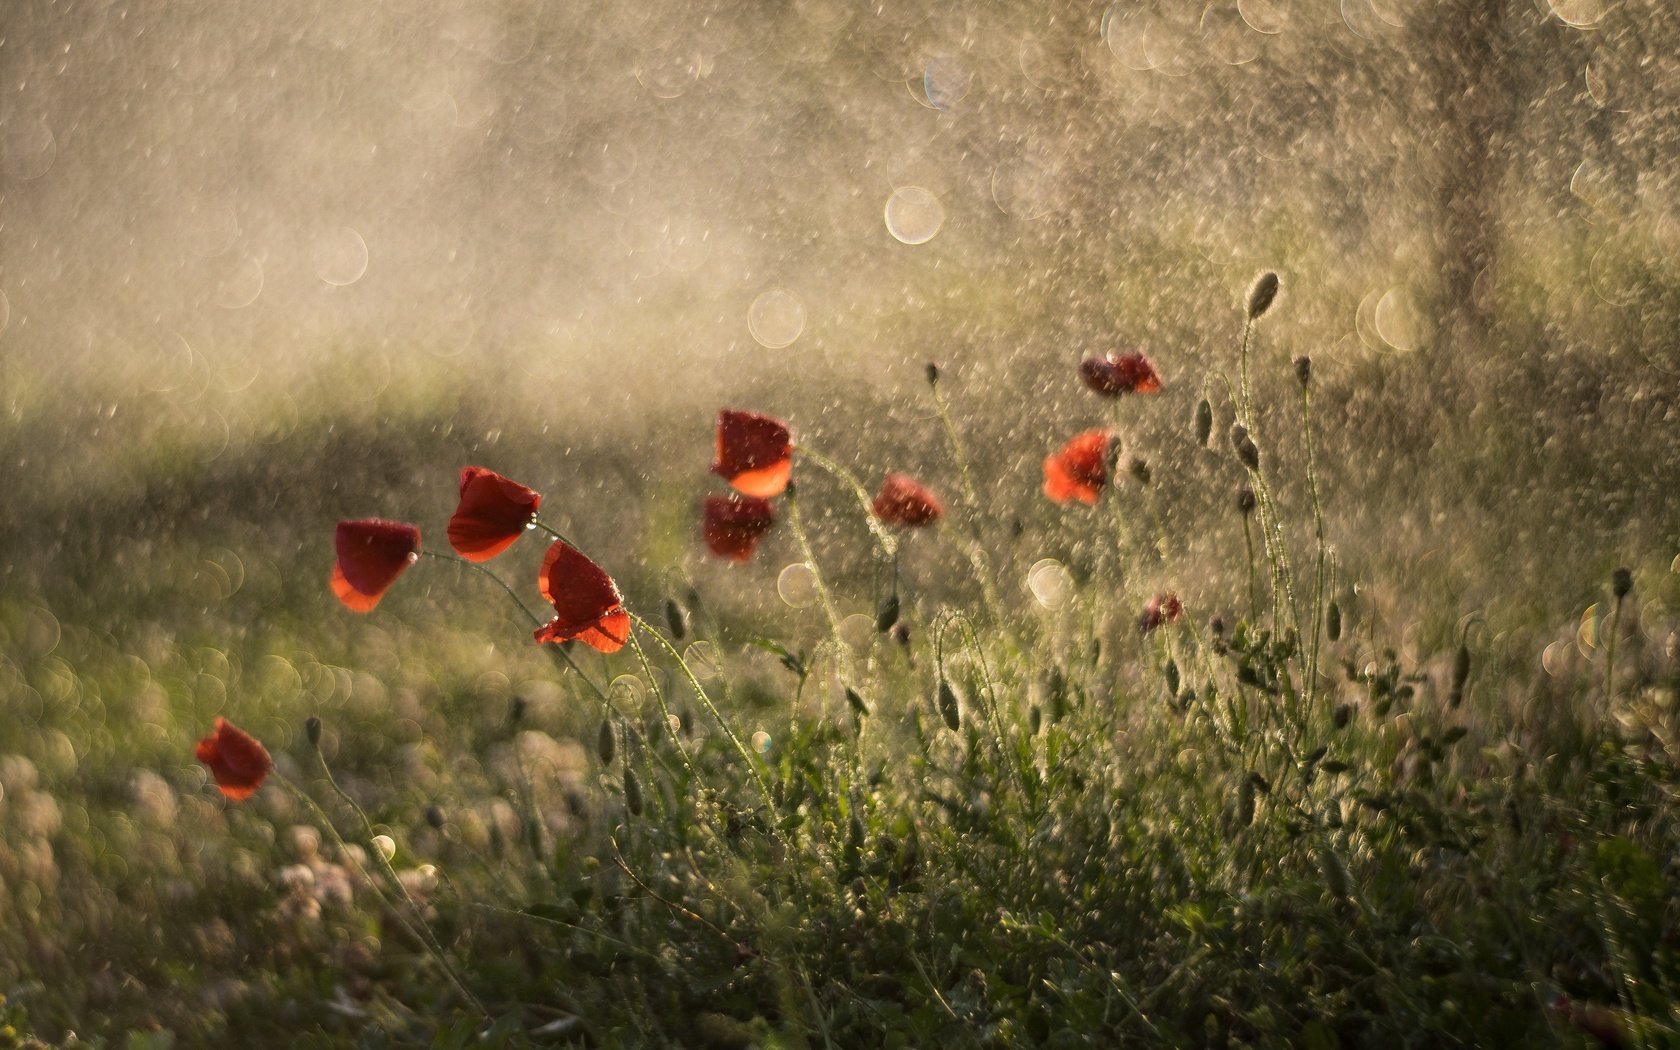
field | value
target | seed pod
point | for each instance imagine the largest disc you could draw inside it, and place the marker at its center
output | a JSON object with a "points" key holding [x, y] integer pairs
{"points": [[1204, 422], [632, 793], [1335, 873], [1333, 622], [855, 698], [1058, 694], [1621, 582], [887, 614], [1460, 675], [1245, 500], [932, 373], [1303, 370], [1248, 453], [948, 708], [606, 744], [312, 730], [676, 619], [1261, 294]]}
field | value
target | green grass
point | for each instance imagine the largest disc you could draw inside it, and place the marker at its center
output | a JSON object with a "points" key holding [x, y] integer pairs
{"points": [[1161, 839]]}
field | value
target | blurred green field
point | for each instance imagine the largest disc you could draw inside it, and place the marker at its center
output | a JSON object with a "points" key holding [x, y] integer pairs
{"points": [[167, 561]]}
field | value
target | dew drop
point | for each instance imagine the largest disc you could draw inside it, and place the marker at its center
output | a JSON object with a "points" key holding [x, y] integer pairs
{"points": [[776, 318], [914, 214]]}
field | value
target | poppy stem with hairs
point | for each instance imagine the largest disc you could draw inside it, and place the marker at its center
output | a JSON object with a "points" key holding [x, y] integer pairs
{"points": [[796, 524], [659, 698], [717, 716], [885, 542], [559, 652], [977, 555], [418, 930], [1318, 530], [554, 533]]}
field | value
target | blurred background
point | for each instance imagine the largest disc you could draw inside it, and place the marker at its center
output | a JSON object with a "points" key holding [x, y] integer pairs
{"points": [[260, 270], [263, 267]]}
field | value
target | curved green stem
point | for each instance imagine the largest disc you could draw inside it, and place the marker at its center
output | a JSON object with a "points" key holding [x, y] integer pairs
{"points": [[558, 652], [1318, 531], [418, 930], [717, 716], [977, 554], [885, 542]]}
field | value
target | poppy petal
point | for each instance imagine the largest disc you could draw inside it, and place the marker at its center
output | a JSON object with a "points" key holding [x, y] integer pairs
{"points": [[905, 501], [734, 524], [371, 555], [1079, 469], [236, 760], [492, 514], [1163, 608], [1114, 374], [754, 453], [587, 604]]}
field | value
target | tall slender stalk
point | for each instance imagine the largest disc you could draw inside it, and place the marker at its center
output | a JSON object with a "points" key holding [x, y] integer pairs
{"points": [[971, 501], [1318, 535]]}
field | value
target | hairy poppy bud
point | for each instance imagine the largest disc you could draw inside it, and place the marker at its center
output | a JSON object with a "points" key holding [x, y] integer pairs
{"points": [[516, 710], [1261, 294], [1303, 370], [1460, 675], [606, 745], [855, 698], [676, 619], [632, 793], [1245, 500], [887, 614], [1140, 471], [1621, 582], [1204, 422], [312, 730], [948, 708], [1333, 622], [1247, 452], [932, 373], [901, 635], [434, 816]]}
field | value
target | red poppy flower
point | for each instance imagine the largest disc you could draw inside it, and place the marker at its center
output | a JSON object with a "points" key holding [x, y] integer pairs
{"points": [[754, 453], [236, 760], [1163, 608], [905, 501], [371, 555], [1080, 469], [1112, 375], [734, 524], [493, 512], [587, 605]]}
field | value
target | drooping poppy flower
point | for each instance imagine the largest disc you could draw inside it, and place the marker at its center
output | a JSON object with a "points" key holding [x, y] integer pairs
{"points": [[1079, 470], [493, 512], [1163, 608], [237, 761], [371, 555], [734, 524], [1114, 374], [905, 501], [587, 605], [754, 453]]}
